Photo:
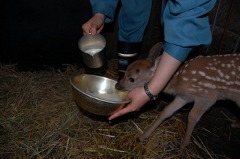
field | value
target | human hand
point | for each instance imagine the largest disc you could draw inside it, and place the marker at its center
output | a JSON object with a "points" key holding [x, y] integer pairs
{"points": [[138, 98], [94, 25]]}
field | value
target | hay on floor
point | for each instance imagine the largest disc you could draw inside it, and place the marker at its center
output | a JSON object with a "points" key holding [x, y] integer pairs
{"points": [[39, 119]]}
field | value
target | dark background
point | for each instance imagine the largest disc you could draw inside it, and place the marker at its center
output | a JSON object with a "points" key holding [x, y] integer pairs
{"points": [[42, 33], [39, 34]]}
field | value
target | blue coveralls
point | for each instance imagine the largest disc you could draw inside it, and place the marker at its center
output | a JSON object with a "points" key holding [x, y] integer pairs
{"points": [[185, 22]]}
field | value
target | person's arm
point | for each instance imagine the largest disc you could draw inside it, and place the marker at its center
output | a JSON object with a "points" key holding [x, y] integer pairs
{"points": [[168, 65], [186, 25]]}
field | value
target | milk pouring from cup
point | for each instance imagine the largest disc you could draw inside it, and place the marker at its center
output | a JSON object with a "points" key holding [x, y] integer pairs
{"points": [[92, 52], [92, 48]]}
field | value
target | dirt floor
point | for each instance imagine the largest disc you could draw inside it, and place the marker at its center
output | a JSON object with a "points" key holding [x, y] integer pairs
{"points": [[39, 119], [219, 136]]}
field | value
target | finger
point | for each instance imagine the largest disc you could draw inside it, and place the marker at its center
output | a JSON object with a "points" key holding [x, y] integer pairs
{"points": [[93, 30], [85, 28], [100, 29], [120, 113], [84, 33]]}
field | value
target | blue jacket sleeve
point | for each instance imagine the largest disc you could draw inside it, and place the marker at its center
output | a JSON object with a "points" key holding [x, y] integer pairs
{"points": [[186, 25], [106, 7]]}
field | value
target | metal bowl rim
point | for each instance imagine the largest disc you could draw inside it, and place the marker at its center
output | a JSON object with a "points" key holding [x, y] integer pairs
{"points": [[99, 99]]}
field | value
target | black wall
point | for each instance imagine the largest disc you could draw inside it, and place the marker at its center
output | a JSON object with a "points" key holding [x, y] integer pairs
{"points": [[42, 32]]}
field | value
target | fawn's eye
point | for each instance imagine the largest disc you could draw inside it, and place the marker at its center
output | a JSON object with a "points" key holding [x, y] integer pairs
{"points": [[131, 79]]}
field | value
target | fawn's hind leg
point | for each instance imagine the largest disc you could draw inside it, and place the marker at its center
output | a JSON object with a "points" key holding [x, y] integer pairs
{"points": [[199, 108], [236, 124]]}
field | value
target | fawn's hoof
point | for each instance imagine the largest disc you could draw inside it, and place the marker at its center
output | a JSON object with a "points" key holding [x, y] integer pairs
{"points": [[141, 138]]}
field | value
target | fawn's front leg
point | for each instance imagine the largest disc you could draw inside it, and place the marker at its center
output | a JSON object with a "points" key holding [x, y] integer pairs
{"points": [[168, 111]]}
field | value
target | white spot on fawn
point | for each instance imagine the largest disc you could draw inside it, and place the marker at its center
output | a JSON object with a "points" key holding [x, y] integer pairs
{"points": [[220, 73], [227, 77], [202, 73], [207, 85], [184, 71], [233, 73], [229, 65], [194, 79], [237, 82], [193, 72], [213, 68]]}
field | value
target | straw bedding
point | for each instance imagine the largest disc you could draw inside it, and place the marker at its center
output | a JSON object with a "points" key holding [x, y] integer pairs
{"points": [[39, 119]]}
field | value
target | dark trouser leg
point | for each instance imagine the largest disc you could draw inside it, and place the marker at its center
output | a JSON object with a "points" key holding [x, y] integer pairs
{"points": [[132, 22], [127, 53]]}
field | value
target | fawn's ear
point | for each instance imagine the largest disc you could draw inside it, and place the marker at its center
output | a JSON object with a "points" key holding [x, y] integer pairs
{"points": [[155, 51], [154, 66]]}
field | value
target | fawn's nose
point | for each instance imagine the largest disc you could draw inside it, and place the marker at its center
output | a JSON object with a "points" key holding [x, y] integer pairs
{"points": [[119, 87]]}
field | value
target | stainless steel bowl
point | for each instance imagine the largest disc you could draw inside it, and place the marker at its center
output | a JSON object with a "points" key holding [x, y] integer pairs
{"points": [[97, 94]]}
